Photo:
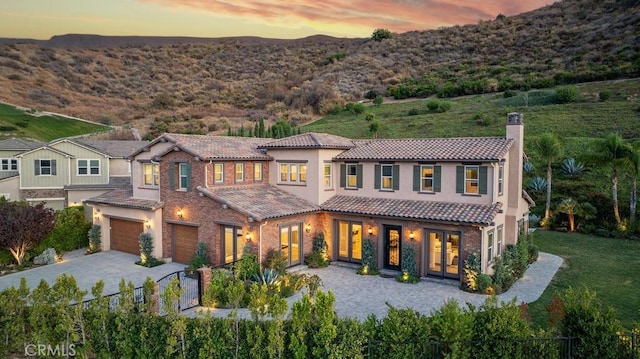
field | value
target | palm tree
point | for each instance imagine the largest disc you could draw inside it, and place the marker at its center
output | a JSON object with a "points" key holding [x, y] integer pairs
{"points": [[633, 161], [570, 207], [614, 151], [549, 148]]}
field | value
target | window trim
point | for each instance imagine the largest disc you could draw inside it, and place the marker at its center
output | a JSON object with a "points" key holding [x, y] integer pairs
{"points": [[215, 165], [327, 184], [422, 179], [155, 176], [295, 173], [257, 174], [87, 167], [499, 240], [347, 175], [237, 233], [390, 177], [501, 179], [50, 167], [183, 175], [239, 165], [490, 246], [477, 179], [10, 162]]}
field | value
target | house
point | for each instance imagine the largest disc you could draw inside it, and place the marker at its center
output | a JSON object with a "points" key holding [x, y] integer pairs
{"points": [[444, 198], [63, 172]]}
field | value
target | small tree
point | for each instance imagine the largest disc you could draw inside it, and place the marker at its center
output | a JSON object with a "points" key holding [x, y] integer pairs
{"points": [[378, 100], [380, 34], [95, 241], [146, 248], [24, 226], [374, 127], [200, 258], [566, 94]]}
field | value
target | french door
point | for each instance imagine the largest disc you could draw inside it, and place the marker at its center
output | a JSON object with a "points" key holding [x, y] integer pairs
{"points": [[290, 243], [443, 254], [349, 241]]}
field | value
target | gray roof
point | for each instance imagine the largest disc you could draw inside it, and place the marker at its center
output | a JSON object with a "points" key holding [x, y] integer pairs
{"points": [[114, 148], [8, 174], [428, 149], [310, 140], [259, 202], [19, 144], [464, 213], [219, 147], [123, 198], [114, 182]]}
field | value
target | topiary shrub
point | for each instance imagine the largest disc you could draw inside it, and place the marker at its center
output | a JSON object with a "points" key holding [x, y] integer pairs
{"points": [[94, 236], [472, 267], [369, 266], [199, 260], [318, 257], [146, 249]]}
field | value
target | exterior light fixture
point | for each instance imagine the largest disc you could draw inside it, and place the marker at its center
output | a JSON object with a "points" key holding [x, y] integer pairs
{"points": [[370, 230], [96, 217], [147, 224], [179, 213], [308, 227], [247, 237], [411, 235]]}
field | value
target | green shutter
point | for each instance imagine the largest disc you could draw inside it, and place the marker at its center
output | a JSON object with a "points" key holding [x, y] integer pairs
{"points": [[416, 178], [36, 165], [359, 177], [482, 179], [459, 179], [396, 177], [188, 169], [437, 175], [343, 175], [172, 176], [53, 167], [377, 172]]}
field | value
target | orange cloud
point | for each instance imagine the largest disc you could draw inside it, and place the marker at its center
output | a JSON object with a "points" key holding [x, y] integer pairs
{"points": [[395, 15]]}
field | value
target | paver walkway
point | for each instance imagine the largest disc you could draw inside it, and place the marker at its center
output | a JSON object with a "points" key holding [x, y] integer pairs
{"points": [[359, 296]]}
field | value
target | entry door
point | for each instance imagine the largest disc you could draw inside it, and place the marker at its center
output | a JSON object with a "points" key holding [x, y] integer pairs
{"points": [[233, 244], [350, 241], [290, 244], [392, 247], [443, 254]]}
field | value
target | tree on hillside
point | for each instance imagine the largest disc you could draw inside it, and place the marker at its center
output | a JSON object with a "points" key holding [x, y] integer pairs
{"points": [[633, 162], [24, 226], [549, 148], [612, 150], [380, 34]]}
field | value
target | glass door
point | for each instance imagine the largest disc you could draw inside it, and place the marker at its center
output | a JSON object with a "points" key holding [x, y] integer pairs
{"points": [[349, 241], [392, 247], [443, 254], [233, 244], [290, 245]]}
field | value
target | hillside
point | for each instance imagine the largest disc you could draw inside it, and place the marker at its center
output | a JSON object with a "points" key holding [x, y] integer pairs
{"points": [[204, 87]]}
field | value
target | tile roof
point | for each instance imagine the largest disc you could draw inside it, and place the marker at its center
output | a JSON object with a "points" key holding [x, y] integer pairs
{"points": [[19, 144], [464, 213], [311, 140], [114, 148], [8, 174], [220, 147], [114, 182], [429, 149], [123, 198], [260, 202]]}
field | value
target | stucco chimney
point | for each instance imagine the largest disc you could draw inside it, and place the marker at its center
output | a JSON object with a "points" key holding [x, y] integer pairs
{"points": [[515, 131]]}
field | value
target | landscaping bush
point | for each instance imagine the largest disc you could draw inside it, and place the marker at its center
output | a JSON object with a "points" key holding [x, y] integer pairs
{"points": [[146, 249], [408, 265], [566, 94], [604, 95], [276, 260], [94, 236], [369, 266], [48, 256], [247, 266], [70, 231], [483, 282], [199, 260], [509, 93], [472, 267]]}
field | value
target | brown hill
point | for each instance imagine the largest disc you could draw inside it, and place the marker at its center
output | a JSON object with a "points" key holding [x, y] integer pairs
{"points": [[202, 85]]}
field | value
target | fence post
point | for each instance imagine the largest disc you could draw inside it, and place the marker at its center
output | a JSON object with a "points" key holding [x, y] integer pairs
{"points": [[155, 299], [204, 280]]}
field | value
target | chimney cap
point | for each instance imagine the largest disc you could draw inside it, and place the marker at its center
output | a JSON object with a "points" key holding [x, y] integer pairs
{"points": [[514, 118]]}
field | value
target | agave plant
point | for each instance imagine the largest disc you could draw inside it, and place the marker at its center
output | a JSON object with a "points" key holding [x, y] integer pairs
{"points": [[268, 276], [571, 167], [528, 167], [538, 184]]}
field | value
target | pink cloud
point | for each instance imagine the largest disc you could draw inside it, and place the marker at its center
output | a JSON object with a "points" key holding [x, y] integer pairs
{"points": [[395, 15]]}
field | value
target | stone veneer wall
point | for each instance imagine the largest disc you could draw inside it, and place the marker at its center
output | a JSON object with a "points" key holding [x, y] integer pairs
{"points": [[42, 193]]}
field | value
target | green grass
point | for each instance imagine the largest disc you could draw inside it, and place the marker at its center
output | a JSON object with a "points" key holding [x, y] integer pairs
{"points": [[608, 266], [18, 123]]}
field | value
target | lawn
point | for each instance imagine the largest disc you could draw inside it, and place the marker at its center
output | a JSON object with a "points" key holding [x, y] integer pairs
{"points": [[18, 123], [608, 266]]}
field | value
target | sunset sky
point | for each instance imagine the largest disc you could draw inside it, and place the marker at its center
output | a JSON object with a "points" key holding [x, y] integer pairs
{"points": [[41, 19]]}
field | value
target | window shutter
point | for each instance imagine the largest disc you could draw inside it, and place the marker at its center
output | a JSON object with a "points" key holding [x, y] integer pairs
{"points": [[416, 178], [36, 165], [53, 167], [172, 176], [482, 180], [437, 175], [188, 169], [359, 177], [396, 177], [343, 175], [376, 179], [459, 179]]}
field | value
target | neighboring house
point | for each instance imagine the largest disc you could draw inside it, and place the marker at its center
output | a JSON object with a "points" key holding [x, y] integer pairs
{"points": [[10, 165], [445, 198]]}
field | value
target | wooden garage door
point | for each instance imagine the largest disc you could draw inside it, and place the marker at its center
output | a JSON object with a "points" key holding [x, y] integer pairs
{"points": [[124, 235], [184, 243]]}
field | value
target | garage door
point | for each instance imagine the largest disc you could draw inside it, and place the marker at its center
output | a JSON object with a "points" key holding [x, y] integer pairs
{"points": [[124, 235], [184, 243]]}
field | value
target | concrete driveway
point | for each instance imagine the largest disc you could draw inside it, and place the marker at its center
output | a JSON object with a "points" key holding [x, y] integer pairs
{"points": [[109, 266]]}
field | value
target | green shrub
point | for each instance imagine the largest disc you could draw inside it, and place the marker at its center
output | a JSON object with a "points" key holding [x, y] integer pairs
{"points": [[604, 95], [483, 119], [380, 34], [509, 93], [94, 236], [146, 248], [452, 326], [369, 265], [484, 282], [199, 260], [247, 266], [356, 108], [276, 260], [413, 112], [315, 260], [432, 105], [533, 253], [378, 100], [566, 94], [472, 267], [444, 106], [69, 233]]}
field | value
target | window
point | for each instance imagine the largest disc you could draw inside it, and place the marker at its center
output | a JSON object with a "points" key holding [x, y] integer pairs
{"points": [[239, 172], [352, 176], [291, 244], [8, 164], [151, 174], [499, 239], [45, 167], [328, 180], [257, 171], [233, 244], [500, 180], [184, 175], [218, 173], [88, 167], [426, 178], [490, 246], [387, 177], [293, 173], [471, 179]]}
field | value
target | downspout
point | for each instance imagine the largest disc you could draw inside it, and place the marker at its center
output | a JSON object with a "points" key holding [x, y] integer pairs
{"points": [[260, 240]]}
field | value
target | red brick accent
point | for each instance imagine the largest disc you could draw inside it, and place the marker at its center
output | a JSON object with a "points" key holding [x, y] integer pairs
{"points": [[205, 279]]}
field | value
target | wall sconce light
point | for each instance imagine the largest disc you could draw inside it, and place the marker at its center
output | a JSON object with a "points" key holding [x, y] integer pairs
{"points": [[179, 213], [370, 230], [411, 235], [147, 224], [96, 217], [247, 237], [308, 227]]}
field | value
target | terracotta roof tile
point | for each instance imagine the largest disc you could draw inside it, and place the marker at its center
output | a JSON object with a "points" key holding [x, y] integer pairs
{"points": [[311, 140], [259, 201], [123, 198], [465, 213], [221, 147], [425, 149]]}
